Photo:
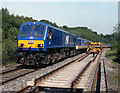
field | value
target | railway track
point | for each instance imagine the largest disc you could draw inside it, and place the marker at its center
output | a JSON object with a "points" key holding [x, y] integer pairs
{"points": [[12, 74], [16, 72], [10, 70], [66, 76]]}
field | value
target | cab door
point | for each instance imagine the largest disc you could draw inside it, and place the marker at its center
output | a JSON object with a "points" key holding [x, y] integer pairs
{"points": [[50, 38]]}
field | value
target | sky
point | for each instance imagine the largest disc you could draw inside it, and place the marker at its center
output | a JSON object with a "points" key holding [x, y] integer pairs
{"points": [[98, 16]]}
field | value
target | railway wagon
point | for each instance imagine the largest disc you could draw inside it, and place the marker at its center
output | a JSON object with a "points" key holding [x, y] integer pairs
{"points": [[81, 43], [107, 45], [39, 43]]}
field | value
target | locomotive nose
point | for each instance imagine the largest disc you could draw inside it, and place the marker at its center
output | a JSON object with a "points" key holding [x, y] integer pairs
{"points": [[31, 44]]}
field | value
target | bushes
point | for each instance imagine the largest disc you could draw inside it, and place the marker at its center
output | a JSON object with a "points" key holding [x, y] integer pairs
{"points": [[119, 53], [12, 33], [9, 46], [112, 53], [8, 51], [119, 48]]}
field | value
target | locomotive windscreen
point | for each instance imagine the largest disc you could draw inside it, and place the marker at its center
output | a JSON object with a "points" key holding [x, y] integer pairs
{"points": [[39, 30], [26, 30]]}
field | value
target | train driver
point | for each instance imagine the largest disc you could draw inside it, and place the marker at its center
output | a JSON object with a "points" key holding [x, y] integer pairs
{"points": [[49, 34]]}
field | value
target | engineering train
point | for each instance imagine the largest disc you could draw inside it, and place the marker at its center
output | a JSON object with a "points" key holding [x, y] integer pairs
{"points": [[40, 44]]}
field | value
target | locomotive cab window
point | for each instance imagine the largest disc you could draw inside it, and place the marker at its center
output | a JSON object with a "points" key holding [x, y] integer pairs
{"points": [[39, 30], [26, 30], [49, 35]]}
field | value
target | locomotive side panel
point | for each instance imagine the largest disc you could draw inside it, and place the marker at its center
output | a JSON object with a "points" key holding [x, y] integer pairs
{"points": [[62, 39], [57, 38]]}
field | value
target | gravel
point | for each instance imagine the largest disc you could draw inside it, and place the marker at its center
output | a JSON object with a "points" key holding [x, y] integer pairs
{"points": [[111, 69], [111, 74], [21, 82]]}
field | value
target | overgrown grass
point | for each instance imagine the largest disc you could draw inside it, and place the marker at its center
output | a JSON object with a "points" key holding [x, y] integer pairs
{"points": [[111, 53]]}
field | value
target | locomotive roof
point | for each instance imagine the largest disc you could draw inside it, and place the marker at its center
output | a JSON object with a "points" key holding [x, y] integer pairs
{"points": [[60, 29], [82, 39], [31, 23]]}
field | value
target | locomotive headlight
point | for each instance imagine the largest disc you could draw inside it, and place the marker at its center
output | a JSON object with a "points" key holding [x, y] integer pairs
{"points": [[21, 45], [40, 45], [30, 41]]}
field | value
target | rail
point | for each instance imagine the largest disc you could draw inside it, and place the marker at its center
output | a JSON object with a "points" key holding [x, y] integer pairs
{"points": [[11, 70], [96, 76], [76, 79], [52, 72], [15, 77]]}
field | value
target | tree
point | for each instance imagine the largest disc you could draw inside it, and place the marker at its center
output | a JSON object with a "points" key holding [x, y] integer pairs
{"points": [[65, 27], [12, 33], [119, 43], [117, 34]]}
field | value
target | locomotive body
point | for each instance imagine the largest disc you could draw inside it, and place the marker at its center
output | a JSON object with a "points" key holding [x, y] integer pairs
{"points": [[39, 43], [81, 43]]}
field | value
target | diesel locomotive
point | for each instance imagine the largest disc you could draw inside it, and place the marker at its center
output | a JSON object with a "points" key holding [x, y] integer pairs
{"points": [[39, 43]]}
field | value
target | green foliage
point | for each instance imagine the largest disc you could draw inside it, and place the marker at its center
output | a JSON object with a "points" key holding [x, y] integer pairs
{"points": [[8, 50], [0, 54], [111, 53], [117, 38], [119, 52], [0, 36], [12, 33]]}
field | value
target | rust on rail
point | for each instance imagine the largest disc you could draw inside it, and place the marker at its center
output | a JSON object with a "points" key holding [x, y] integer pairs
{"points": [[24, 89], [77, 78], [96, 76]]}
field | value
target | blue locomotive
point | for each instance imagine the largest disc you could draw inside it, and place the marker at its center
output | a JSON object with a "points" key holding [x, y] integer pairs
{"points": [[39, 43], [81, 43]]}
